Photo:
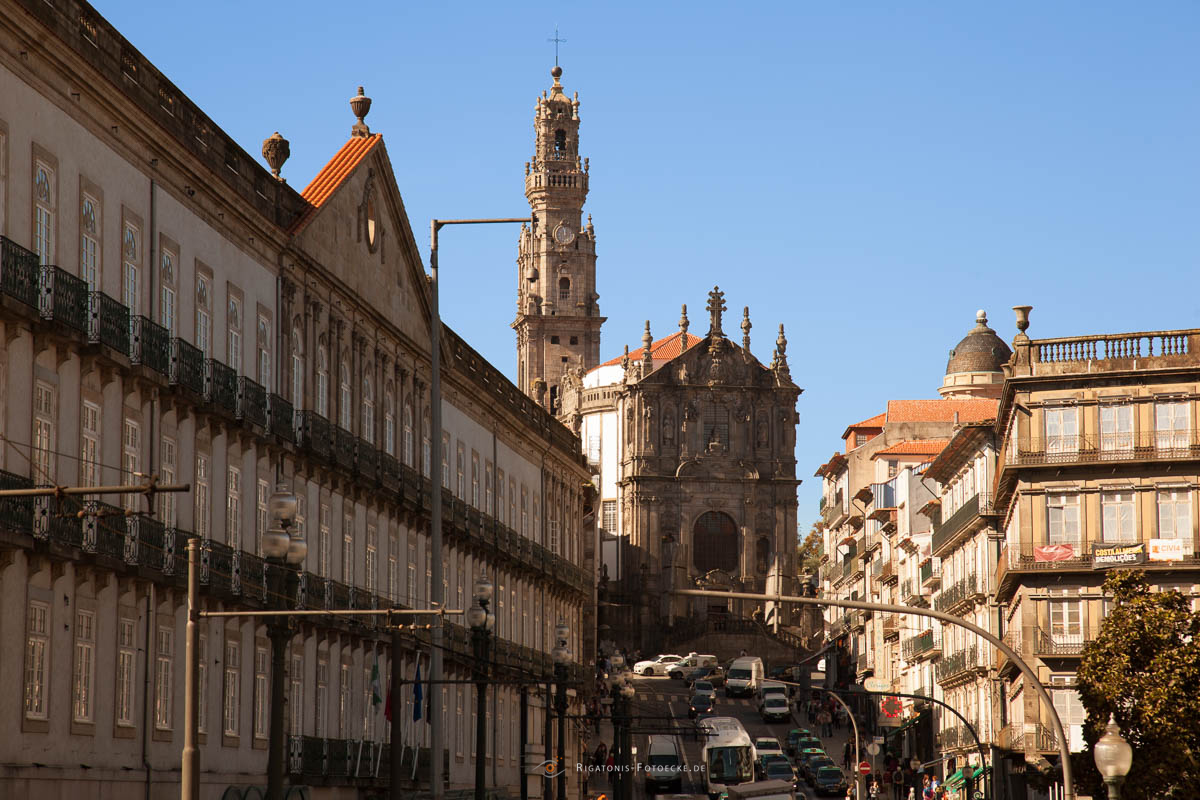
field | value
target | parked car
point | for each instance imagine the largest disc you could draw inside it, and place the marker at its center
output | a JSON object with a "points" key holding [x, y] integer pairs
{"points": [[714, 675], [692, 661], [700, 704], [767, 745], [776, 768], [656, 666], [813, 763], [664, 765], [795, 735], [806, 742], [704, 687], [775, 709], [829, 781]]}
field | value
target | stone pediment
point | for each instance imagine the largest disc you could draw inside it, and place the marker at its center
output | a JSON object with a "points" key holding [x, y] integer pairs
{"points": [[713, 363], [716, 468]]}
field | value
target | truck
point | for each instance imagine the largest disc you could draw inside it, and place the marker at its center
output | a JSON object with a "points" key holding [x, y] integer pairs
{"points": [[744, 676]]}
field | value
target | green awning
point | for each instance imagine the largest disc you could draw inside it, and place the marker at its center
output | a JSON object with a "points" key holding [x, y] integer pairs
{"points": [[960, 777], [954, 781]]}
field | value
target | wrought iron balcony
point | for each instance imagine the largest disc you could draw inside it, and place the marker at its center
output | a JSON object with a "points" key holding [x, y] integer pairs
{"points": [[891, 626], [930, 576], [64, 298], [959, 592], [314, 434], [343, 448], [251, 402], [389, 472], [216, 567], [960, 665], [108, 323], [281, 419], [187, 366], [948, 530], [18, 272], [1046, 643], [366, 460], [149, 344], [104, 529], [144, 542], [1143, 445], [220, 386], [921, 646]]}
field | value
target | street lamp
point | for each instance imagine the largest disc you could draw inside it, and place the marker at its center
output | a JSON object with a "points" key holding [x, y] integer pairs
{"points": [[622, 693], [481, 622], [562, 656], [1114, 757], [283, 551]]}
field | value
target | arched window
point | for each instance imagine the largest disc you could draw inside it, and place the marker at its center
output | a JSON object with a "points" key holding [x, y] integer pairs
{"points": [[762, 555], [368, 411], [345, 395], [715, 543], [297, 370], [560, 141], [426, 447], [323, 381], [408, 432], [389, 422], [564, 288]]}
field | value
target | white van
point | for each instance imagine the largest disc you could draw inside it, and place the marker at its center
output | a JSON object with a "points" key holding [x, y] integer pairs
{"points": [[680, 670], [768, 688], [744, 677]]}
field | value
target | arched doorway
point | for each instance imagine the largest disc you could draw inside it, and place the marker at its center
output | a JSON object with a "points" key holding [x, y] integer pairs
{"points": [[715, 543]]}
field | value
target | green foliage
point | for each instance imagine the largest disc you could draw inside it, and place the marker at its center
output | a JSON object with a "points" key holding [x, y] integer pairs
{"points": [[1144, 668], [808, 555]]}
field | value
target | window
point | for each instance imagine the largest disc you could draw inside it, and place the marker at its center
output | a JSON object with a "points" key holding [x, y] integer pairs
{"points": [[428, 577], [389, 423], [204, 314], [593, 450], [233, 334], [297, 370], [1175, 514], [512, 502], [368, 726], [85, 665], [89, 241], [168, 273], [322, 707], [475, 479], [393, 567], [893, 467], [574, 340], [89, 448], [263, 350], [202, 684], [43, 212], [324, 527], [524, 511], [323, 381], [345, 400], [446, 461], [564, 288], [126, 669], [501, 506], [368, 411], [131, 259], [609, 512], [348, 549], [553, 340], [1062, 431], [131, 468], [1063, 518], [233, 688], [488, 496], [860, 439], [262, 514], [43, 461], [1069, 707], [1116, 430], [1066, 622], [408, 434], [202, 506], [426, 449], [458, 722], [296, 696], [372, 547], [716, 427], [233, 509], [37, 660], [1171, 426], [460, 484], [261, 698], [167, 500], [411, 586], [554, 543], [164, 687], [1119, 522], [344, 702]]}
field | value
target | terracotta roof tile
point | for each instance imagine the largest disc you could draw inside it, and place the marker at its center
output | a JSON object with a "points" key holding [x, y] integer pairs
{"points": [[326, 182], [969, 410], [874, 422], [925, 447], [662, 350]]}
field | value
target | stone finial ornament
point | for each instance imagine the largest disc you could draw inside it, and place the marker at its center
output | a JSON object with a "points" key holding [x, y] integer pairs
{"points": [[779, 364], [746, 326], [1022, 318], [647, 351], [716, 304], [360, 104], [683, 326], [625, 364], [275, 150]]}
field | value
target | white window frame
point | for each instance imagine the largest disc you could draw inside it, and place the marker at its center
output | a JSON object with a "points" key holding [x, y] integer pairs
{"points": [[168, 306], [408, 434], [90, 251], [461, 473], [44, 206], [321, 708], [296, 695], [164, 678], [204, 290], [126, 672], [1172, 426], [1066, 620], [203, 506], [345, 686], [348, 549], [323, 544], [1116, 430], [262, 513], [262, 698], [1063, 519], [368, 410], [345, 397], [1062, 432], [1174, 512], [131, 258], [389, 423], [131, 460], [169, 504], [43, 456], [233, 333], [372, 554], [89, 445], [262, 343], [231, 688], [37, 660], [489, 494], [474, 479], [83, 694], [322, 398], [1118, 515], [297, 370], [233, 507]]}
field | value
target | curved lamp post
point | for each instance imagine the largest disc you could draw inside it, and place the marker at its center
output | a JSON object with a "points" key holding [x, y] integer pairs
{"points": [[1114, 758], [562, 656], [284, 550], [481, 623]]}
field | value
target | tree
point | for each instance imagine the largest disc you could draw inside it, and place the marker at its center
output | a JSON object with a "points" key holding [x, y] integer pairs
{"points": [[808, 554], [1144, 668]]}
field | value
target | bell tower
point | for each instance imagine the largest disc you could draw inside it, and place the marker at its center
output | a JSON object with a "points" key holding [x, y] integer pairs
{"points": [[558, 316]]}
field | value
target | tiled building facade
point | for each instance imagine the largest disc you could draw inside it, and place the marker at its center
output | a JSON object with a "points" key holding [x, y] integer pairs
{"points": [[170, 308]]}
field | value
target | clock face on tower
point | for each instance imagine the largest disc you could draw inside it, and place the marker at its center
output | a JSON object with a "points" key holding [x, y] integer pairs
{"points": [[563, 234]]}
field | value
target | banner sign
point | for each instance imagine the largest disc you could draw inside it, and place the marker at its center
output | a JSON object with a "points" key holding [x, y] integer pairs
{"points": [[1054, 552], [1167, 550], [1118, 555]]}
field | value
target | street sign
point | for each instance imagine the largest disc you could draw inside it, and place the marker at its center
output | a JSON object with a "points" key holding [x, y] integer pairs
{"points": [[872, 749], [817, 677], [876, 685], [865, 768]]}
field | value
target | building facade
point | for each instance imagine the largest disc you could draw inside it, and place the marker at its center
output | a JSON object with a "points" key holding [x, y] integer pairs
{"points": [[172, 309]]}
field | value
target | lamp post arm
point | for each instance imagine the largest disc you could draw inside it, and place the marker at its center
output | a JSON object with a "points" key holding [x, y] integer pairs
{"points": [[857, 757], [1064, 749]]}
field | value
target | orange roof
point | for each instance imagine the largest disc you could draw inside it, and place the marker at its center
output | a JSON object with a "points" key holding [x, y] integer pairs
{"points": [[970, 410], [874, 422], [322, 187], [925, 447], [662, 350]]}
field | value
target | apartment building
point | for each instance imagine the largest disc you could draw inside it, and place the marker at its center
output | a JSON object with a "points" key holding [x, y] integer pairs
{"points": [[171, 308]]}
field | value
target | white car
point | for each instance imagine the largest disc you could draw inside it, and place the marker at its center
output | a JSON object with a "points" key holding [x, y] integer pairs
{"points": [[704, 687], [767, 746], [656, 666]]}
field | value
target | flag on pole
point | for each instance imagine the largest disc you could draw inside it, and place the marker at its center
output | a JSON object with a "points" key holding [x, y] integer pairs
{"points": [[418, 693], [376, 692]]}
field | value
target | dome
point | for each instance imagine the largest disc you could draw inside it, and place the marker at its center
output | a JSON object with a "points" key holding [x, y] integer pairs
{"points": [[981, 350]]}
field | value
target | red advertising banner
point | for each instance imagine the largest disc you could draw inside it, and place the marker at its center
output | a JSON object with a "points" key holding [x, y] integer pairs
{"points": [[1054, 552]]}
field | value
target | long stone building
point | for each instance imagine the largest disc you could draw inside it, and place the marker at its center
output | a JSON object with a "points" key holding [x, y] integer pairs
{"points": [[172, 309]]}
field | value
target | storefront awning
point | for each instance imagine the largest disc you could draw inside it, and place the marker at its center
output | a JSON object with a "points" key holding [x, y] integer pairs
{"points": [[960, 777]]}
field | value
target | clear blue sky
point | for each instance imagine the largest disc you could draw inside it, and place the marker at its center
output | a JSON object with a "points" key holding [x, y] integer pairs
{"points": [[867, 173]]}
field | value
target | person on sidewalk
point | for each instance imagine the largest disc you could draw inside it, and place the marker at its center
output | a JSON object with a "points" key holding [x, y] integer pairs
{"points": [[847, 754]]}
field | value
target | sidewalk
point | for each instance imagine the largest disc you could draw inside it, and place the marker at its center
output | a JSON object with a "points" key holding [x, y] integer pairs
{"points": [[598, 782]]}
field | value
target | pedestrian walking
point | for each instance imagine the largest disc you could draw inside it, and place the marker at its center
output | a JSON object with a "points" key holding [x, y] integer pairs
{"points": [[609, 764], [847, 754]]}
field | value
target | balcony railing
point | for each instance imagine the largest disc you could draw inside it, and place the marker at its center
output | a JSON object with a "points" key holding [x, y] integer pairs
{"points": [[314, 433], [910, 592], [366, 460], [220, 386], [1112, 346], [929, 575], [343, 448], [251, 402], [187, 366], [960, 664], [1115, 447], [64, 298], [945, 532], [1059, 644], [958, 592], [389, 472], [18, 272], [149, 344], [281, 419], [108, 323], [917, 647], [865, 662]]}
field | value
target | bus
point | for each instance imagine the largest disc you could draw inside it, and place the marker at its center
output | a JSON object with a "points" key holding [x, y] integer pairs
{"points": [[728, 758]]}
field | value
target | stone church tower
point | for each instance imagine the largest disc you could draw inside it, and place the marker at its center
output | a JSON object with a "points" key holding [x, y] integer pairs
{"points": [[558, 318]]}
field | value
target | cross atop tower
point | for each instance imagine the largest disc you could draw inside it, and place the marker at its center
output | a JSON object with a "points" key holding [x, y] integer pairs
{"points": [[557, 41], [716, 304]]}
